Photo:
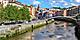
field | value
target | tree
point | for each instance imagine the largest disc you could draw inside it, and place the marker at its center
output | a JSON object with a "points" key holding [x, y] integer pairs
{"points": [[14, 13], [24, 14], [1, 12], [59, 8]]}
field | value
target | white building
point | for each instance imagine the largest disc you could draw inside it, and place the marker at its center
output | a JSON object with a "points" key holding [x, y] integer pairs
{"points": [[8, 0], [11, 2], [14, 4]]}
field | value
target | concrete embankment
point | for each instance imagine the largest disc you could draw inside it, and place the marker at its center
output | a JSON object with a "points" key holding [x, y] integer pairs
{"points": [[23, 28]]}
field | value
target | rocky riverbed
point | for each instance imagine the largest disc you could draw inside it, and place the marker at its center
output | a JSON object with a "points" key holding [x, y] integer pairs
{"points": [[54, 31]]}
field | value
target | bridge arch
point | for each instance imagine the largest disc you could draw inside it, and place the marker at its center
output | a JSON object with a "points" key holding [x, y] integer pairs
{"points": [[66, 19], [71, 20]]}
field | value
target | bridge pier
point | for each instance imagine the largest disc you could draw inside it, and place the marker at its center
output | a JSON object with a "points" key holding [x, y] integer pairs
{"points": [[65, 23], [65, 13]]}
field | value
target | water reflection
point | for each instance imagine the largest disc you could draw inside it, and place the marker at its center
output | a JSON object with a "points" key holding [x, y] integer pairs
{"points": [[54, 31]]}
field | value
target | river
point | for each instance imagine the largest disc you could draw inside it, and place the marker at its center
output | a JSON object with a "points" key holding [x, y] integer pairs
{"points": [[56, 31]]}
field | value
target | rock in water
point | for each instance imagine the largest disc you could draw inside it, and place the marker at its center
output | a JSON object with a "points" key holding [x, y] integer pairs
{"points": [[77, 32]]}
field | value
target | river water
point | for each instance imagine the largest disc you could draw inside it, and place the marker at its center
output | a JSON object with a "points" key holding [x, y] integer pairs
{"points": [[56, 31]]}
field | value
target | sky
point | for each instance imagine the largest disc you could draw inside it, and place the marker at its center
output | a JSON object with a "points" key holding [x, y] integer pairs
{"points": [[51, 3]]}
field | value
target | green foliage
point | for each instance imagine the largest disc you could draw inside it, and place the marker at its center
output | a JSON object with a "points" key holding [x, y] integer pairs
{"points": [[14, 13], [56, 7], [59, 8]]}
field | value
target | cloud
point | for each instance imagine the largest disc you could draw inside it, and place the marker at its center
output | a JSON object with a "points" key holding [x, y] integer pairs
{"points": [[73, 4], [77, 1], [66, 4], [62, 1], [54, 1], [36, 3]]}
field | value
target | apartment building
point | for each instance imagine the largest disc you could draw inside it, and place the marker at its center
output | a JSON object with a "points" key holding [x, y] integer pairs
{"points": [[71, 11]]}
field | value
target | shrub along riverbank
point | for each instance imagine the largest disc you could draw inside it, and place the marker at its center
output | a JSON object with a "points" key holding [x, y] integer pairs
{"points": [[20, 29]]}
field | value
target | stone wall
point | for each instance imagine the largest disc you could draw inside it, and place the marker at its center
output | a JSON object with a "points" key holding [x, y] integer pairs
{"points": [[20, 29]]}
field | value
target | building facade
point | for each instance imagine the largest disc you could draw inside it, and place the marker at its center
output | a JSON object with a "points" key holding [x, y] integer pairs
{"points": [[10, 2], [72, 10]]}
